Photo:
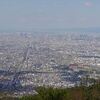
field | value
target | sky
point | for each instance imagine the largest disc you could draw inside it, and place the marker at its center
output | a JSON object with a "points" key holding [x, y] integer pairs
{"points": [[28, 15]]}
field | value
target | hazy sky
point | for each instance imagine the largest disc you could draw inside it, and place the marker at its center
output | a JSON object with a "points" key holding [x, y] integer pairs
{"points": [[48, 14]]}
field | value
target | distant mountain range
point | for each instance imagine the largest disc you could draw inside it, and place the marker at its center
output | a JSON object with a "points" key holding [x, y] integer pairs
{"points": [[91, 30], [97, 30]]}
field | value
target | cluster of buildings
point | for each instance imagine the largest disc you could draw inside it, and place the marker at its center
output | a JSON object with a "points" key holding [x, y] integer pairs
{"points": [[59, 60]]}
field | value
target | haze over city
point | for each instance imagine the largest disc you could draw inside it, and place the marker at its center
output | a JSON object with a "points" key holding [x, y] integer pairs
{"points": [[49, 50], [30, 15]]}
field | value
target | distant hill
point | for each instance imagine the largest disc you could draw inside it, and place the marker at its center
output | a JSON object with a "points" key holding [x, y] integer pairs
{"points": [[55, 30], [91, 29]]}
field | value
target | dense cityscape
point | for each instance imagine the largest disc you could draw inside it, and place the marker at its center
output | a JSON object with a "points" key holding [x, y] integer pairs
{"points": [[29, 60], [49, 50]]}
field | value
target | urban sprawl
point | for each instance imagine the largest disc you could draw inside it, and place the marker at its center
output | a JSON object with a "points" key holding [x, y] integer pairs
{"points": [[29, 60]]}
